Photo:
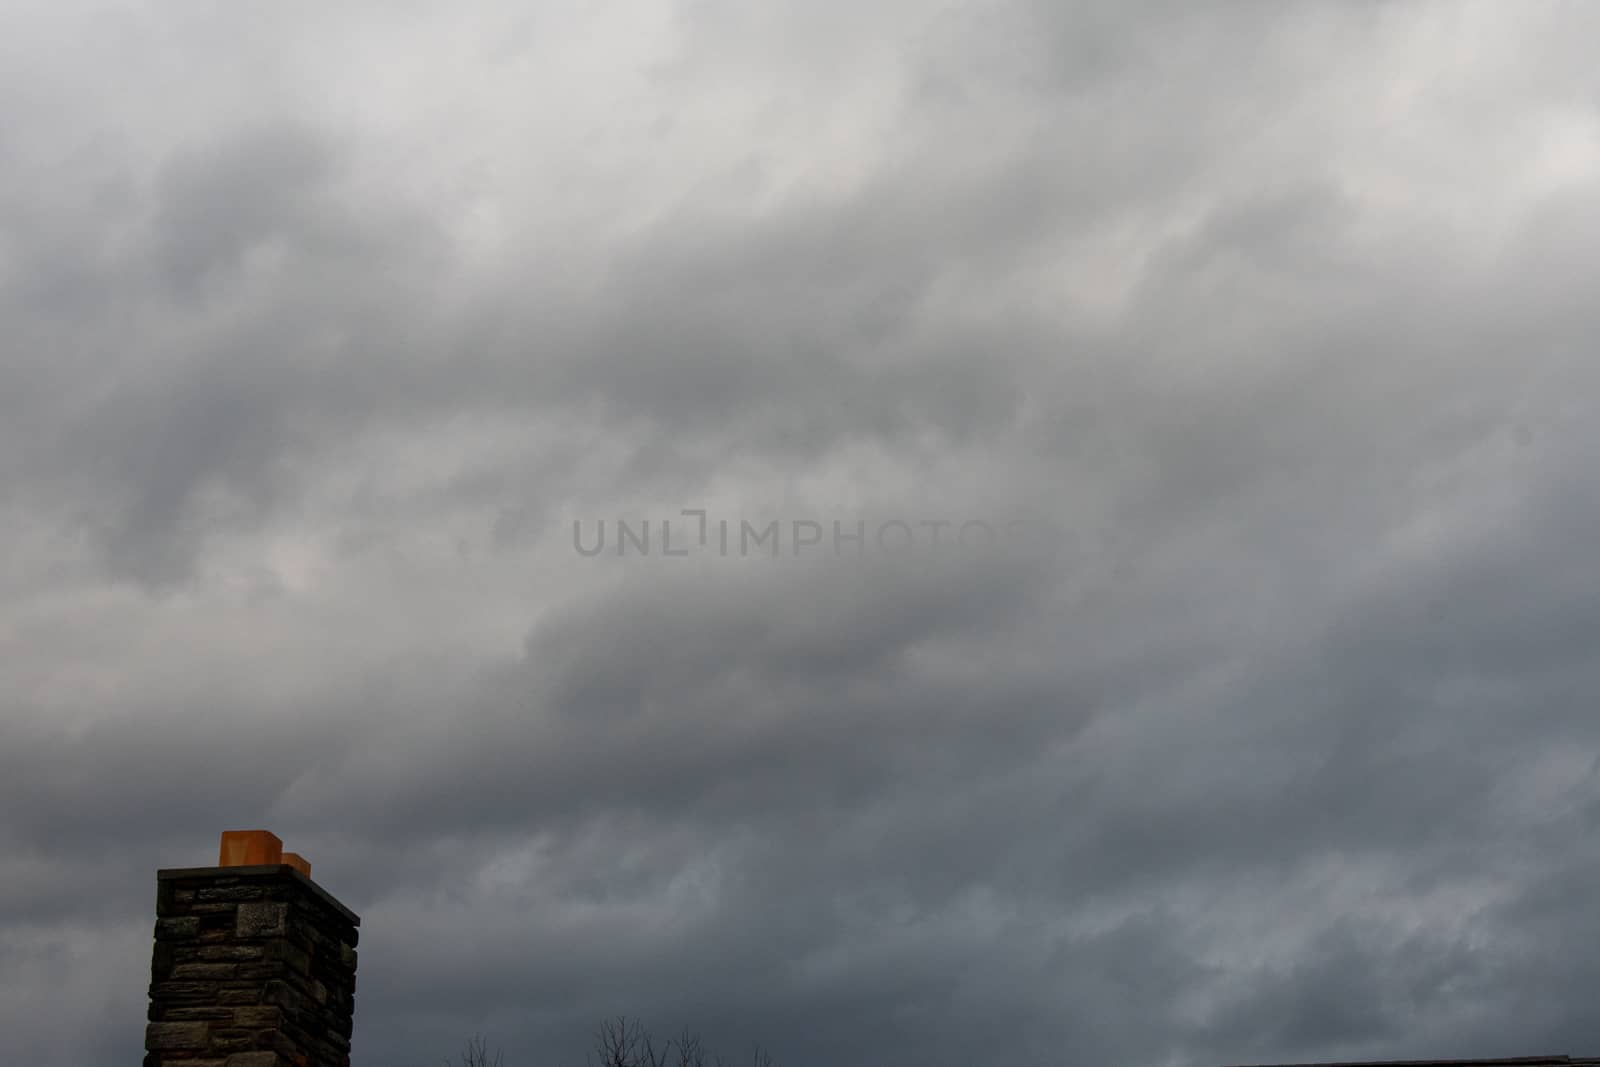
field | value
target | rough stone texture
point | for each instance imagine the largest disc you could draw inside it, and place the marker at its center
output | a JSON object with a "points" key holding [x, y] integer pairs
{"points": [[258, 919], [256, 1059], [252, 967]]}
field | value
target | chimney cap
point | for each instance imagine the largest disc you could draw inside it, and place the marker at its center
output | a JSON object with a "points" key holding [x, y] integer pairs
{"points": [[250, 848]]}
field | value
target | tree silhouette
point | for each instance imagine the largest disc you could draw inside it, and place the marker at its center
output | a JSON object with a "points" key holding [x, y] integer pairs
{"points": [[475, 1053], [624, 1042]]}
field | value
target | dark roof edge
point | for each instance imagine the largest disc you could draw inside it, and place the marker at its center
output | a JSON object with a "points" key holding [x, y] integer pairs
{"points": [[1514, 1061], [272, 870]]}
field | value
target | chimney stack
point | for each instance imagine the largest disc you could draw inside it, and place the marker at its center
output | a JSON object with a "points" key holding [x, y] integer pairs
{"points": [[254, 964]]}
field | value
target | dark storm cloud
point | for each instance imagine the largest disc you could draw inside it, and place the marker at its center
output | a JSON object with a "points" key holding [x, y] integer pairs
{"points": [[1274, 319]]}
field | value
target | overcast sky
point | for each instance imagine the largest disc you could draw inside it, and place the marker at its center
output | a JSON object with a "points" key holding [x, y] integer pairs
{"points": [[1244, 709]]}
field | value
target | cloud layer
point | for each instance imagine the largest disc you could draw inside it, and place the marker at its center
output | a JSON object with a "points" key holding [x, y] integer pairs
{"points": [[1259, 336]]}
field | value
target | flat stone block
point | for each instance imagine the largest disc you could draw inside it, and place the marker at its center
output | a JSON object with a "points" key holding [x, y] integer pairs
{"points": [[287, 953], [237, 953], [193, 1015], [281, 994], [260, 919], [232, 1040], [171, 991], [164, 1036], [258, 1017], [256, 1059], [232, 892], [181, 928]]}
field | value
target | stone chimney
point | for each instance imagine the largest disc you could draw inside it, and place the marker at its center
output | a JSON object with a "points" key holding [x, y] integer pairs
{"points": [[254, 965]]}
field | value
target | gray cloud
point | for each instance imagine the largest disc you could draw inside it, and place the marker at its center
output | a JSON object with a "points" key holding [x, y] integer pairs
{"points": [[322, 331]]}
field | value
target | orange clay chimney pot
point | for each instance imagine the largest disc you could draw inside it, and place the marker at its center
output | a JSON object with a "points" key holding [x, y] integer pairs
{"points": [[250, 848], [298, 862]]}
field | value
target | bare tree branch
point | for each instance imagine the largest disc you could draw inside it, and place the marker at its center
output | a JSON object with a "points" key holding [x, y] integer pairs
{"points": [[475, 1053], [624, 1042]]}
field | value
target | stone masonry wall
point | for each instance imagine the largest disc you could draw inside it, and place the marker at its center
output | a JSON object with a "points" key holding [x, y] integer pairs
{"points": [[253, 967]]}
